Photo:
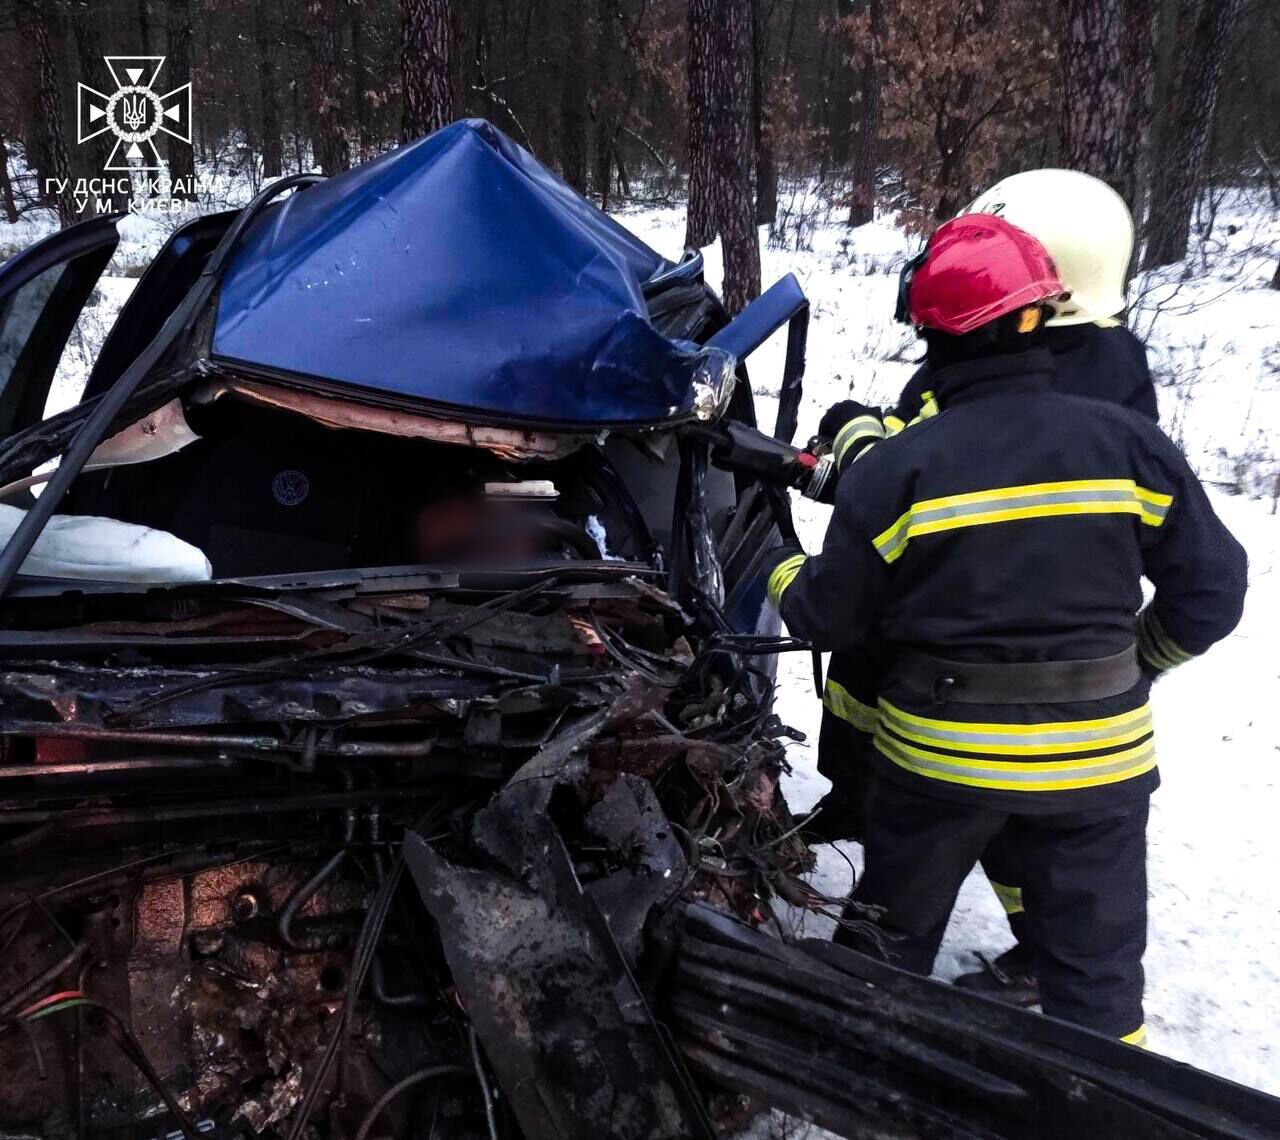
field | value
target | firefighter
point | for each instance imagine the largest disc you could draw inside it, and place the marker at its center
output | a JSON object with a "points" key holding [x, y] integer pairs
{"points": [[1088, 231], [996, 550]]}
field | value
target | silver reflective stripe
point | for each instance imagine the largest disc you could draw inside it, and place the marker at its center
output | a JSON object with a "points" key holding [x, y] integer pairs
{"points": [[1137, 726], [1029, 774], [863, 427], [1014, 502], [1007, 504], [1156, 645]]}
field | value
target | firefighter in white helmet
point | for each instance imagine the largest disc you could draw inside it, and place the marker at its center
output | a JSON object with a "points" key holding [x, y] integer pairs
{"points": [[1087, 230]]}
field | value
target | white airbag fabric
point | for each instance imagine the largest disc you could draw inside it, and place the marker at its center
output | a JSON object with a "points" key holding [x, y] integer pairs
{"points": [[87, 547]]}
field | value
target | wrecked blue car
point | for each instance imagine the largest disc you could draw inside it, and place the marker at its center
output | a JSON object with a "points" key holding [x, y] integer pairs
{"points": [[386, 731]]}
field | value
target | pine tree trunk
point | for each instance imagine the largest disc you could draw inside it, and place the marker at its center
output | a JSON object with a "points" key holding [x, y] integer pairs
{"points": [[295, 102], [606, 69], [1107, 57], [360, 79], [332, 148], [91, 157], [6, 186], [700, 224], [182, 164], [268, 96], [761, 125], [1204, 34], [731, 154], [841, 96], [862, 199], [34, 17], [426, 65], [573, 109]]}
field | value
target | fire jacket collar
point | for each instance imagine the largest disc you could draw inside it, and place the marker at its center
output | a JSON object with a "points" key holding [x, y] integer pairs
{"points": [[993, 375]]}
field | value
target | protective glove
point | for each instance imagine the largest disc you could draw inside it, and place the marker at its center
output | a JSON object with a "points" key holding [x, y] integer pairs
{"points": [[852, 428], [839, 414]]}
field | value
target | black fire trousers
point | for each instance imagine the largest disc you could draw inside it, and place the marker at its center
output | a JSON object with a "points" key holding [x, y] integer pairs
{"points": [[1084, 885]]}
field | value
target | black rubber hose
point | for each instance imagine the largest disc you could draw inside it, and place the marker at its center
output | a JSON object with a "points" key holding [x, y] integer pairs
{"points": [[99, 421], [431, 1074], [299, 898]]}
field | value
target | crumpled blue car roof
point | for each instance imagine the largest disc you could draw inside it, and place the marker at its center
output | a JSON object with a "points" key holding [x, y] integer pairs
{"points": [[459, 272]]}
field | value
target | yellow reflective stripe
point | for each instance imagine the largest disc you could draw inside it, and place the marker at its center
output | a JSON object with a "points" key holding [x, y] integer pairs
{"points": [[1033, 500], [861, 428], [1107, 722], [1138, 1037], [1032, 776], [846, 706], [928, 407], [783, 575], [1016, 768], [1150, 652], [1042, 489], [1022, 739], [1010, 897], [893, 541], [1156, 645]]}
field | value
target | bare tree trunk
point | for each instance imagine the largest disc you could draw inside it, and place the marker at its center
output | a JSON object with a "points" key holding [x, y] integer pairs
{"points": [[1204, 33], [761, 124], [332, 148], [91, 157], [360, 79], [269, 97], [862, 199], [606, 67], [731, 154], [6, 186], [182, 164], [34, 17], [426, 65], [573, 109], [1107, 57], [841, 95], [700, 223]]}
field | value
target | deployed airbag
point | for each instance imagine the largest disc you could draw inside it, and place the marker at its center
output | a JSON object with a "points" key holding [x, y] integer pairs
{"points": [[98, 549]]}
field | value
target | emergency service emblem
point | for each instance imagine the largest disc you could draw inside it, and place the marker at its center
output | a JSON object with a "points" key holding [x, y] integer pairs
{"points": [[134, 112]]}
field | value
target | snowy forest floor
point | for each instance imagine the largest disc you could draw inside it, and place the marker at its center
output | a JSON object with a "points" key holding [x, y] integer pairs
{"points": [[1213, 332]]}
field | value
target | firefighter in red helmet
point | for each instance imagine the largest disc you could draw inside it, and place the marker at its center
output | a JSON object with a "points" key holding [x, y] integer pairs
{"points": [[996, 550]]}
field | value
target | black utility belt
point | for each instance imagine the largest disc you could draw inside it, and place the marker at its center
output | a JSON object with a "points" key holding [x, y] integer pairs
{"points": [[1019, 683]]}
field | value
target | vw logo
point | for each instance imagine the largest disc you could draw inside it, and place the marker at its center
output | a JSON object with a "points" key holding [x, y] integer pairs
{"points": [[289, 488]]}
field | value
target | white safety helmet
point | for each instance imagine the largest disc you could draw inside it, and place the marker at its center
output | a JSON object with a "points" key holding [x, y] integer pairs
{"points": [[1085, 226]]}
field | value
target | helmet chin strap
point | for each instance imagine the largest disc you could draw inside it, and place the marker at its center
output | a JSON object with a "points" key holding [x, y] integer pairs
{"points": [[1012, 333]]}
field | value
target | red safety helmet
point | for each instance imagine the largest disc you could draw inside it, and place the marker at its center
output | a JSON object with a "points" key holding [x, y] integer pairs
{"points": [[975, 269]]}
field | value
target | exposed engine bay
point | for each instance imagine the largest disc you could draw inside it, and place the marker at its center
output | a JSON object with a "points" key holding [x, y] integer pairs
{"points": [[216, 857]]}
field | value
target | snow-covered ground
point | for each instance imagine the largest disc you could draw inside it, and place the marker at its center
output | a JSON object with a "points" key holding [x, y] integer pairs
{"points": [[1213, 974], [1213, 330]]}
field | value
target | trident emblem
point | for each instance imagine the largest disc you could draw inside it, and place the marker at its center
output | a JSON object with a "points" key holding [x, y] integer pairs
{"points": [[134, 112]]}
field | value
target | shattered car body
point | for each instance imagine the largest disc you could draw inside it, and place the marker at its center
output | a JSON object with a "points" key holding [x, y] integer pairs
{"points": [[476, 610], [446, 802]]}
